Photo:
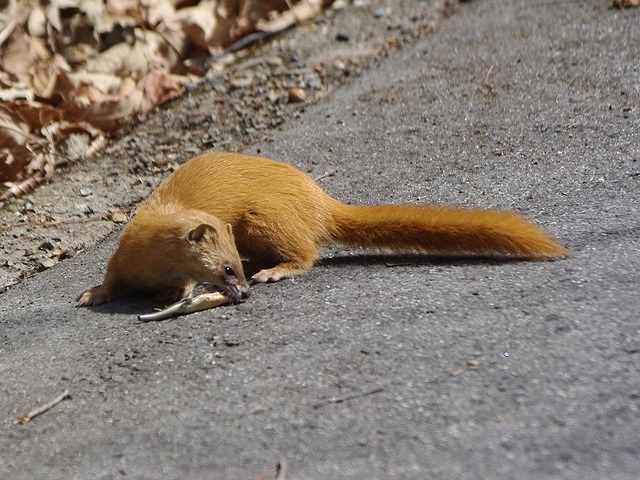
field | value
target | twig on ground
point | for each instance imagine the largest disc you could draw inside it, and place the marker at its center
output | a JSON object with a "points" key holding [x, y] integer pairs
{"points": [[247, 41], [252, 62], [44, 408], [281, 471], [486, 83], [67, 221], [53, 223], [326, 175], [398, 264], [350, 397]]}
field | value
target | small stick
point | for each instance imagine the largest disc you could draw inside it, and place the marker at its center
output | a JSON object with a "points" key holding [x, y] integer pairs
{"points": [[188, 305], [399, 264], [241, 66], [281, 470], [55, 223], [326, 175], [262, 475], [40, 410], [350, 397], [486, 82]]}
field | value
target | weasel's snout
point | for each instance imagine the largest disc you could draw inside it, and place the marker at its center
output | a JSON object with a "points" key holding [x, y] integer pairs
{"points": [[239, 292]]}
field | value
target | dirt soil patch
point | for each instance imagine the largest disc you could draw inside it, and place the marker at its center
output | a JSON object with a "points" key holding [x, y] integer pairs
{"points": [[245, 98]]}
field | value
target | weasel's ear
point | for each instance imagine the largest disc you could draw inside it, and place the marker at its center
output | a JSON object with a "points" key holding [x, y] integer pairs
{"points": [[201, 232]]}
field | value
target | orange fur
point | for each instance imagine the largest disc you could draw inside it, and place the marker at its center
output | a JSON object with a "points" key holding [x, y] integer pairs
{"points": [[280, 217], [445, 230]]}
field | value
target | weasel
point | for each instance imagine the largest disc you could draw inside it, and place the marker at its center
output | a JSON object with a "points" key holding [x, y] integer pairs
{"points": [[219, 208]]}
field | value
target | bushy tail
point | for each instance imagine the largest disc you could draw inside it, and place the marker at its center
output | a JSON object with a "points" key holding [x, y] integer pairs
{"points": [[443, 230]]}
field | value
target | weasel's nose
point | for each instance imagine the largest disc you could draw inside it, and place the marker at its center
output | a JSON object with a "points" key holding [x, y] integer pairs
{"points": [[245, 292]]}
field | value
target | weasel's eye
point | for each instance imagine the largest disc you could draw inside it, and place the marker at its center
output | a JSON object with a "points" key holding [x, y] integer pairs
{"points": [[229, 271]]}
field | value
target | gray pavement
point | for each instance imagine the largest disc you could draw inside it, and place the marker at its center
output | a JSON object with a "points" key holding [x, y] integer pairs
{"points": [[357, 370]]}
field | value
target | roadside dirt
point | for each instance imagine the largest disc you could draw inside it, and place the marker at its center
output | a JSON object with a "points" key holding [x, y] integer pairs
{"points": [[245, 98]]}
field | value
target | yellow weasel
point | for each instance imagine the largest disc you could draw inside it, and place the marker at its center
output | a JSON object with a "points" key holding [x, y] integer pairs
{"points": [[220, 207]]}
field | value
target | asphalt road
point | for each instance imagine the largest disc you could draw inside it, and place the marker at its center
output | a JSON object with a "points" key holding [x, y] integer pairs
{"points": [[360, 368]]}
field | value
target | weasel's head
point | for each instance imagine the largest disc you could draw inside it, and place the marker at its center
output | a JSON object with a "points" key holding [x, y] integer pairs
{"points": [[214, 259]]}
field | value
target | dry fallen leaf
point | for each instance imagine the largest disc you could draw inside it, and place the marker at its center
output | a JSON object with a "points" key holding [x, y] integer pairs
{"points": [[159, 87]]}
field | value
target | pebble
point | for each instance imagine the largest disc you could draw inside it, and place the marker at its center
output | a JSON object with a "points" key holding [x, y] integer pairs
{"points": [[241, 82], [315, 83], [382, 12], [45, 263], [119, 217], [274, 61], [46, 245], [297, 95]]}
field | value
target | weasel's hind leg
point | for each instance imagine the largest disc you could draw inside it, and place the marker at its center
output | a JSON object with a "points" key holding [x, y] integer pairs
{"points": [[279, 248]]}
